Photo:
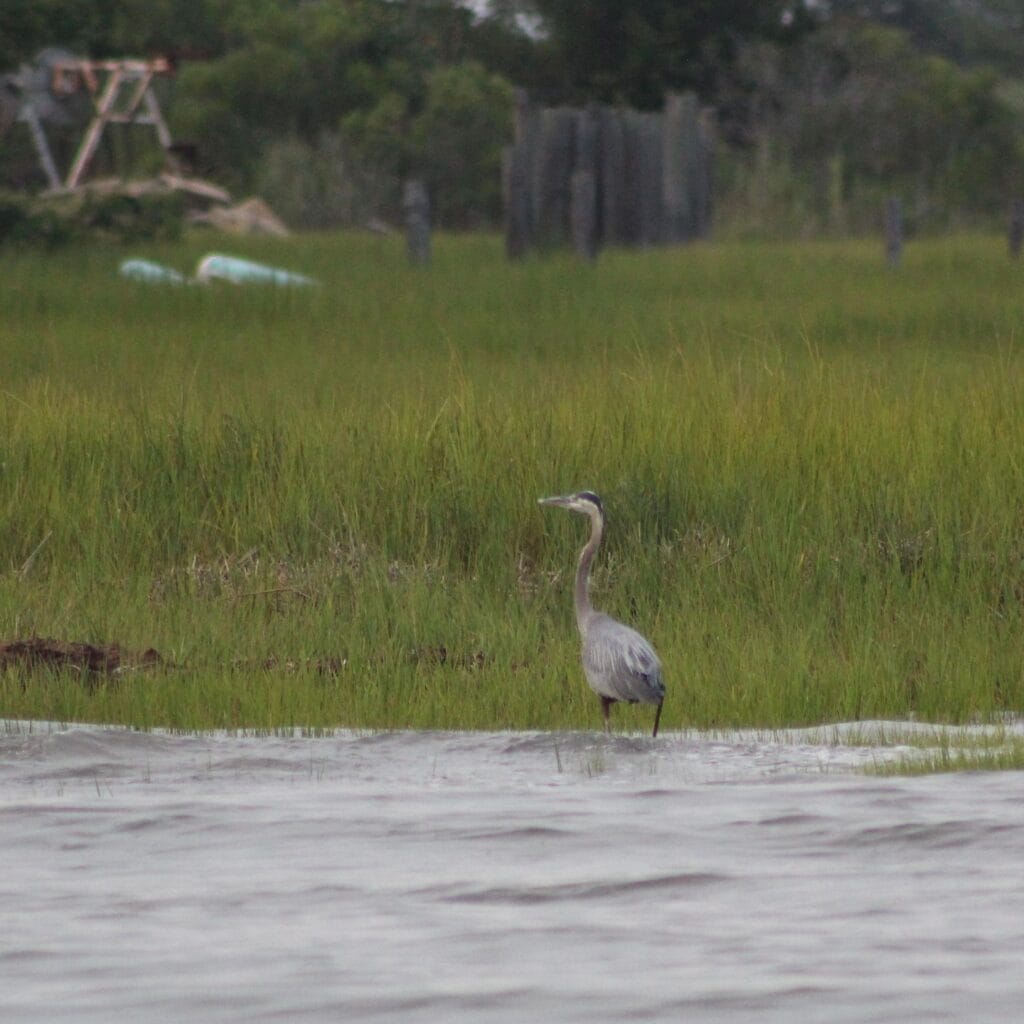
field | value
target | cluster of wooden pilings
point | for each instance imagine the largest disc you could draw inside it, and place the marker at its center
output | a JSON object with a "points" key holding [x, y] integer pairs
{"points": [[599, 175]]}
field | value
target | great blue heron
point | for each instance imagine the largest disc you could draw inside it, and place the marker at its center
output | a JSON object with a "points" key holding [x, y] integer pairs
{"points": [[620, 665]]}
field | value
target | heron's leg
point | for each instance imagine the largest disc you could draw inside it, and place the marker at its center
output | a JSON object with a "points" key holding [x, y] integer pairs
{"points": [[657, 718], [606, 706]]}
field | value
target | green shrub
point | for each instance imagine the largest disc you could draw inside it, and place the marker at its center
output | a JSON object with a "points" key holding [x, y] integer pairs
{"points": [[49, 221]]}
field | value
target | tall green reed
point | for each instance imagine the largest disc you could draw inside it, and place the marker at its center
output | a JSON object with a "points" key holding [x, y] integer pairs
{"points": [[812, 468]]}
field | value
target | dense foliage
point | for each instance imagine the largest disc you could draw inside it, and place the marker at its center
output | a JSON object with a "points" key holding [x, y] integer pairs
{"points": [[854, 113], [325, 106], [634, 52]]}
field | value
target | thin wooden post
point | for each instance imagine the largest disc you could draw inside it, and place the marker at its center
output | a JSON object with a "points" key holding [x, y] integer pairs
{"points": [[516, 178], [676, 168], [416, 207], [584, 187], [522, 114], [552, 169], [611, 164], [516, 175], [652, 206], [92, 137], [31, 118], [156, 119], [705, 184], [632, 185], [894, 231], [1016, 226], [583, 215]]}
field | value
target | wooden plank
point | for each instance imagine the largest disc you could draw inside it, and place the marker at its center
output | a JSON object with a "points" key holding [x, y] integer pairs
{"points": [[584, 215], [652, 207], [894, 231], [523, 114], [552, 169], [677, 168], [704, 194], [92, 136], [163, 133], [1016, 226], [586, 162], [31, 118], [516, 186], [692, 158], [631, 223], [611, 164]]}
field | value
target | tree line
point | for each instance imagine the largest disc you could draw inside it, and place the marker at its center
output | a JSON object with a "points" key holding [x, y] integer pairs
{"points": [[324, 106]]}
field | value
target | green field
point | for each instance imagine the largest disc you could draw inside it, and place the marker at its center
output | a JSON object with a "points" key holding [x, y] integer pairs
{"points": [[813, 469]]}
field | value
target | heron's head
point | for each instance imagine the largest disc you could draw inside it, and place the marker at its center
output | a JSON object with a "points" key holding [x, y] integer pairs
{"points": [[585, 502]]}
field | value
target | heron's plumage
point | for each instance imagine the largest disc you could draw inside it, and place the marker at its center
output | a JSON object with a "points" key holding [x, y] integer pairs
{"points": [[619, 663]]}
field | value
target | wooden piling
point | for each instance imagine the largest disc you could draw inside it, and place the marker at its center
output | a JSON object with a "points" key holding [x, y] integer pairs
{"points": [[612, 161], [607, 176], [416, 208], [1016, 226], [894, 231], [677, 167], [516, 185], [584, 215]]}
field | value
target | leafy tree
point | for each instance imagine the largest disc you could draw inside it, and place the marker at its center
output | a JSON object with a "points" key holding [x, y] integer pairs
{"points": [[458, 137], [979, 32], [860, 113], [22, 31], [636, 52], [111, 28], [385, 74], [292, 71]]}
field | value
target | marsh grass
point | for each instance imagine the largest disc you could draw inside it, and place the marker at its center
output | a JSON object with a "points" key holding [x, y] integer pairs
{"points": [[957, 753], [812, 469]]}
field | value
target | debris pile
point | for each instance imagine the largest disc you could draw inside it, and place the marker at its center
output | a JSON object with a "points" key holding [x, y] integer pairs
{"points": [[91, 660]]}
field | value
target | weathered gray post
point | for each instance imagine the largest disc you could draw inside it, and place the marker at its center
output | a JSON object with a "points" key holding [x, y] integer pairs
{"points": [[612, 164], [652, 206], [894, 231], [1016, 226], [704, 192], [552, 169], [516, 180], [519, 163], [522, 115], [631, 186], [680, 162], [416, 208], [583, 215]]}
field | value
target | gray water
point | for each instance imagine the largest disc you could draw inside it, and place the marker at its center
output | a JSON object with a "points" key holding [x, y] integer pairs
{"points": [[450, 877]]}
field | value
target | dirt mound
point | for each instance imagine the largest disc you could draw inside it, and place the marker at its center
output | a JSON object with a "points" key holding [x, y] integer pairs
{"points": [[94, 662], [88, 659]]}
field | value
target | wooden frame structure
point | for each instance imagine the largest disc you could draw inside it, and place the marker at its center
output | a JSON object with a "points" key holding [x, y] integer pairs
{"points": [[121, 93]]}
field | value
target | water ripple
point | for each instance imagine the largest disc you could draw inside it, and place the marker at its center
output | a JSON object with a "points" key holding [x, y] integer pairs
{"points": [[579, 891], [483, 878]]}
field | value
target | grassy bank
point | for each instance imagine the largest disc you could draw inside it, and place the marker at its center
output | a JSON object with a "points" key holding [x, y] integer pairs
{"points": [[813, 470]]}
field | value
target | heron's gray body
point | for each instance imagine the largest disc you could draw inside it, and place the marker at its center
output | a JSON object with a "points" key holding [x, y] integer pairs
{"points": [[620, 665]]}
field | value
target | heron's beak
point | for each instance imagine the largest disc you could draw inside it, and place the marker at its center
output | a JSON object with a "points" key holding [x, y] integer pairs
{"points": [[560, 501]]}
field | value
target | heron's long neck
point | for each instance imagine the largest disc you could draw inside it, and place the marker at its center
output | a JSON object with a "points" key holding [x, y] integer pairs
{"points": [[584, 609]]}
